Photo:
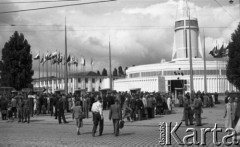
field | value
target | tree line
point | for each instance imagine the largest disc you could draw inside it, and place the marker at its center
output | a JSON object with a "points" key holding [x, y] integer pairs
{"points": [[116, 72]]}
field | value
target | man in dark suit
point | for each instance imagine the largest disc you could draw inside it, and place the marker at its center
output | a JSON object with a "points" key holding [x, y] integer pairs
{"points": [[26, 109], [115, 113], [60, 107], [197, 104], [187, 112]]}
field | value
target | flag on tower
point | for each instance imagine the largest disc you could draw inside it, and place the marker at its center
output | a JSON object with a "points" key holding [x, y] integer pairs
{"points": [[48, 56], [54, 55], [60, 57], [222, 52], [72, 60], [68, 59], [214, 51], [41, 61], [37, 57], [83, 62], [91, 61], [76, 62], [54, 61]]}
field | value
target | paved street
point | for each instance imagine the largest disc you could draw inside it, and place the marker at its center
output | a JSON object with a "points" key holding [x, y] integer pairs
{"points": [[45, 131]]}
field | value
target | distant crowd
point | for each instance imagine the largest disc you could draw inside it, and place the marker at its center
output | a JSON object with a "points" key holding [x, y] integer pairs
{"points": [[134, 106]]}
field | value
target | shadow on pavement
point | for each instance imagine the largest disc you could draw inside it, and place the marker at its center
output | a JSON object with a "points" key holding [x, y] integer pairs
{"points": [[85, 132], [126, 134], [37, 120]]}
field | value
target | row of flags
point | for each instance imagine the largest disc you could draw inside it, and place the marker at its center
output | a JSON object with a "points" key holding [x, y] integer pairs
{"points": [[219, 53], [58, 58]]}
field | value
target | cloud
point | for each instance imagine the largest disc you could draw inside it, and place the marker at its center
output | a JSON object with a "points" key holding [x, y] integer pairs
{"points": [[140, 32]]}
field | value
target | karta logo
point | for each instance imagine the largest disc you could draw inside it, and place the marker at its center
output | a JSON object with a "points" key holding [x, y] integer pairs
{"points": [[167, 133]]}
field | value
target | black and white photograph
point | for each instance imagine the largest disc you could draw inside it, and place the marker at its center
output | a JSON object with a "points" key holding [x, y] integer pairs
{"points": [[119, 73]]}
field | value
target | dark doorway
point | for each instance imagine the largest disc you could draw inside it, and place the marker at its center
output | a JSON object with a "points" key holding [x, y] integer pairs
{"points": [[176, 84]]}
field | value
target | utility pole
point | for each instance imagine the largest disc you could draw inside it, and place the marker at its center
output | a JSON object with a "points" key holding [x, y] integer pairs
{"points": [[190, 55]]}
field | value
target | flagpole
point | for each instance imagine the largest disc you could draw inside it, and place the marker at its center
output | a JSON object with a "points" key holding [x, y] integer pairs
{"points": [[66, 68], [110, 65], [205, 68], [39, 69], [56, 73], [92, 64], [69, 68], [217, 75], [47, 75], [43, 67], [60, 71]]}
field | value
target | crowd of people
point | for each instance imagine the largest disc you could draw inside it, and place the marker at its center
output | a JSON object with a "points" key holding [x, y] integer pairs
{"points": [[133, 107], [15, 107]]}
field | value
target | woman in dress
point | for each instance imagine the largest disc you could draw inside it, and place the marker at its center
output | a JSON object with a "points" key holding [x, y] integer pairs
{"points": [[229, 113], [77, 114]]}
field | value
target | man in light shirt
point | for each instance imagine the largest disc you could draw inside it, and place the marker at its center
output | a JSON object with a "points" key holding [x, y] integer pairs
{"points": [[97, 111]]}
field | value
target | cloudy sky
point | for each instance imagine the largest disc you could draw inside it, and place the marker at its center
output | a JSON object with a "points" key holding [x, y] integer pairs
{"points": [[140, 31]]}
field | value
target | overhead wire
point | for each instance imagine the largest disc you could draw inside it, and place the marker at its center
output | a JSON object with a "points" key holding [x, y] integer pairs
{"points": [[59, 6], [101, 29], [30, 2], [223, 8]]}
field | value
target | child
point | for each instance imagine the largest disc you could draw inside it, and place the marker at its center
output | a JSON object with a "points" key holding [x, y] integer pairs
{"points": [[78, 115]]}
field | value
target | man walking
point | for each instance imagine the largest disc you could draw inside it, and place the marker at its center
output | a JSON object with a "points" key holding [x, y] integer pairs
{"points": [[14, 107], [20, 105], [85, 106], [26, 109], [97, 112], [197, 104], [187, 112], [60, 107], [115, 113]]}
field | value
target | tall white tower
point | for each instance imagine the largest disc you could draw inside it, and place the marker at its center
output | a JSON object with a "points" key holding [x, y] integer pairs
{"points": [[181, 35]]}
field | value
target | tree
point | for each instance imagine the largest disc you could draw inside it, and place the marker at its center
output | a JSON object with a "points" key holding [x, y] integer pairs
{"points": [[233, 64], [120, 71], [98, 72], [126, 68], [115, 72], [104, 72], [16, 63]]}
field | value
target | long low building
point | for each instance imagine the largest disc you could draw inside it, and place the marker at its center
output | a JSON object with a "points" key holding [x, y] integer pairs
{"points": [[88, 81]]}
